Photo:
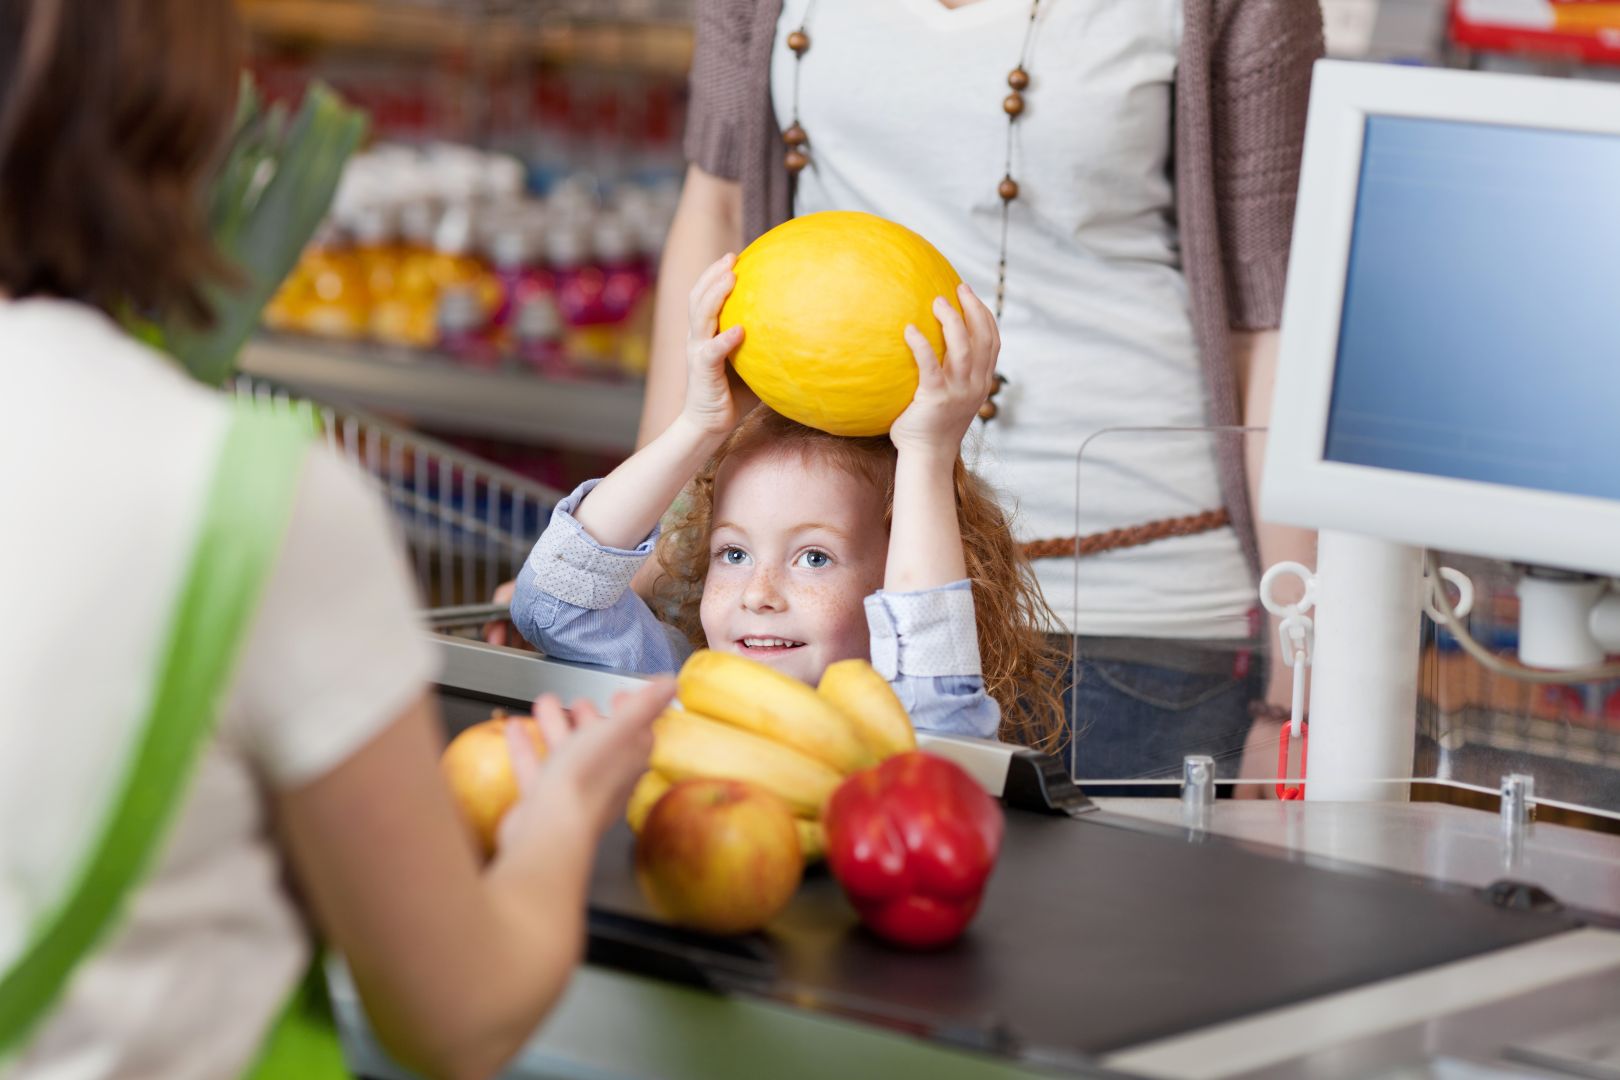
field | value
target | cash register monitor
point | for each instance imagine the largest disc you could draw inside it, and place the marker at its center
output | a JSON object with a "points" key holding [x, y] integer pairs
{"points": [[1449, 373]]}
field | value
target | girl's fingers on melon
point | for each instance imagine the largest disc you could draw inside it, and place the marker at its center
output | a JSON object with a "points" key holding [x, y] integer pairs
{"points": [[929, 372], [700, 288], [958, 348], [981, 323], [713, 353], [706, 312]]}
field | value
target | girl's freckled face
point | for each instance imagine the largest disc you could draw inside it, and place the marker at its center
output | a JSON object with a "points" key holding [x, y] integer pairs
{"points": [[796, 547]]}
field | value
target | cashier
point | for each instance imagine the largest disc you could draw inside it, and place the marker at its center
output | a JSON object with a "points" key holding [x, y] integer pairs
{"points": [[216, 739]]}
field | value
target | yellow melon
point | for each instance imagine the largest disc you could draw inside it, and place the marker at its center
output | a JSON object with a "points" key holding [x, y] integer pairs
{"points": [[824, 301]]}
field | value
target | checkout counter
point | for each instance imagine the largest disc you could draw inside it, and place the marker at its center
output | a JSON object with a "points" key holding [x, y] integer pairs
{"points": [[1446, 384], [1124, 937]]}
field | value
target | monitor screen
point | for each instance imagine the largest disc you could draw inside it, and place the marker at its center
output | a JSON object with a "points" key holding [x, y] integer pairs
{"points": [[1480, 331]]}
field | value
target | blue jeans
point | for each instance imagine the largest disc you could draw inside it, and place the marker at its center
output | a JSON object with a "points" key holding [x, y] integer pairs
{"points": [[1143, 705]]}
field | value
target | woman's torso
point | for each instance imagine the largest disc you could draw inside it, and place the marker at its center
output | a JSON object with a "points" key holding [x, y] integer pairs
{"points": [[903, 106]]}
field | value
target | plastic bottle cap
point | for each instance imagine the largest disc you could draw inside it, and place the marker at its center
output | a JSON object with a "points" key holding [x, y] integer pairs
{"points": [[456, 231], [459, 311], [504, 177], [510, 248], [374, 226], [612, 239], [418, 221], [537, 318], [565, 246]]}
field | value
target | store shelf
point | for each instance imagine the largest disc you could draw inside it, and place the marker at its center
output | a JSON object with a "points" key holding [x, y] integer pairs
{"points": [[510, 404], [657, 48]]}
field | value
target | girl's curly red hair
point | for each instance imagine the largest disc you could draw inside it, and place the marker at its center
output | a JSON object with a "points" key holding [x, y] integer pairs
{"points": [[1022, 671]]}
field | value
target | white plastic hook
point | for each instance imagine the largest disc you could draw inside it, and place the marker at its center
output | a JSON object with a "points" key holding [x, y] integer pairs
{"points": [[1268, 586], [1295, 633], [1465, 593]]}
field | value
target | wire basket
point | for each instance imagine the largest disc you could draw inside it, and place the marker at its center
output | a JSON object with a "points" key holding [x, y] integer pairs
{"points": [[467, 524]]}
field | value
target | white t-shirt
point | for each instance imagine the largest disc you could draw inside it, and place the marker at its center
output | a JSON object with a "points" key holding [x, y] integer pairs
{"points": [[902, 103], [105, 452]]}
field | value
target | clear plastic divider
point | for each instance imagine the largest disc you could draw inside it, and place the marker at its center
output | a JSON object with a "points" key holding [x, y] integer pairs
{"points": [[1174, 657]]}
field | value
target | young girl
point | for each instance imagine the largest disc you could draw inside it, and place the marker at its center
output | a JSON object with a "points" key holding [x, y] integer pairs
{"points": [[799, 548]]}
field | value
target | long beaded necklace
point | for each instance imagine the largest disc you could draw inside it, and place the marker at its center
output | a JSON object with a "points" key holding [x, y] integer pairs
{"points": [[797, 156], [797, 159]]}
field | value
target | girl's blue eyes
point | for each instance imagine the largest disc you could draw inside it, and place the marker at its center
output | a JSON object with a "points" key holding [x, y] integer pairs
{"points": [[812, 559]]}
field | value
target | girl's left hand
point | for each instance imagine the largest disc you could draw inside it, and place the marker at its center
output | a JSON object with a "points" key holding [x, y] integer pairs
{"points": [[949, 395]]}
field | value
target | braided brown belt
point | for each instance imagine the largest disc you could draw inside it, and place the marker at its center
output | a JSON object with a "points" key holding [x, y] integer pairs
{"points": [[1128, 537]]}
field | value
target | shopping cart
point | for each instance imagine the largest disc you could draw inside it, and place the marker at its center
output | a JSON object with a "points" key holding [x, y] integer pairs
{"points": [[467, 524]]}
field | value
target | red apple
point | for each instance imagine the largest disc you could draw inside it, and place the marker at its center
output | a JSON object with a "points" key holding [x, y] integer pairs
{"points": [[478, 767], [720, 856]]}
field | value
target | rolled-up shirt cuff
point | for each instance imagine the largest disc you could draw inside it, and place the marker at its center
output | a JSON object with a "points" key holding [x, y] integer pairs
{"points": [[928, 633], [569, 564]]}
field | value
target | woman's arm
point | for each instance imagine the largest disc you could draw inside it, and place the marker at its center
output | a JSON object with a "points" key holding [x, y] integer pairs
{"points": [[1255, 360], [707, 224], [457, 966]]}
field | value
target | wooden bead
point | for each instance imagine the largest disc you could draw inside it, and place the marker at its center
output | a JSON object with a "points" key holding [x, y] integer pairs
{"points": [[988, 411], [795, 136], [1014, 104], [798, 41], [796, 160], [1007, 189], [1018, 79]]}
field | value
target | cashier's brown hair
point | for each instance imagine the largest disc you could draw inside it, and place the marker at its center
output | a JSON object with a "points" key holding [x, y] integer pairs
{"points": [[111, 115], [1022, 671]]}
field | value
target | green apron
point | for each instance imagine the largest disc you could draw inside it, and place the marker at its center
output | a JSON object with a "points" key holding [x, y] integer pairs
{"points": [[245, 518]]}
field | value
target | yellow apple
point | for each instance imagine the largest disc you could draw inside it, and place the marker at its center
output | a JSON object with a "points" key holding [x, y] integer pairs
{"points": [[478, 767], [720, 856]]}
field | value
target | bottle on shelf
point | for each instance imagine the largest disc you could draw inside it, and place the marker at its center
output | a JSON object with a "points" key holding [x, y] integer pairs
{"points": [[408, 316], [537, 334], [336, 305], [457, 272], [626, 291], [591, 333]]}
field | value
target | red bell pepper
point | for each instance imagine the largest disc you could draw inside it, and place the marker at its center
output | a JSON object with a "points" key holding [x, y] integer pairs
{"points": [[912, 841]]}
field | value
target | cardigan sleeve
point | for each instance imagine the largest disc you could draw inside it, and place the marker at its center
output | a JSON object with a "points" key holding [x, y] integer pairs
{"points": [[720, 90], [1261, 79]]}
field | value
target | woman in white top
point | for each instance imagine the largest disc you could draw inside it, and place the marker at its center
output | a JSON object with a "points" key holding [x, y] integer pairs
{"points": [[315, 805], [1121, 173]]}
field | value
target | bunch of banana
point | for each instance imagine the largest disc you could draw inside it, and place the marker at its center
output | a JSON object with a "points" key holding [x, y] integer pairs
{"points": [[742, 720]]}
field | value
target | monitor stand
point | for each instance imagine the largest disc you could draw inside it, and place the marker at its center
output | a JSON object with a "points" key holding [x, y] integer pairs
{"points": [[1364, 672]]}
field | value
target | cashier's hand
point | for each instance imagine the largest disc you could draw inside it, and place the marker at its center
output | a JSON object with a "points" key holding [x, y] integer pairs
{"points": [[591, 764], [716, 399]]}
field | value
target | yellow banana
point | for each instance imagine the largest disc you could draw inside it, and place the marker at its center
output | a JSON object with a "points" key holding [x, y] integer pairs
{"points": [[812, 840], [868, 701], [649, 789], [686, 745], [747, 694]]}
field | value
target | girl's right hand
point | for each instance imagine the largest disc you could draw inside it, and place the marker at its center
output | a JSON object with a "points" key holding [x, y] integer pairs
{"points": [[592, 760], [716, 400]]}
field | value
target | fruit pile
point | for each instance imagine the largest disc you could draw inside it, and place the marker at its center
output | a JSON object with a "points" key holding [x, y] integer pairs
{"points": [[742, 720], [756, 774]]}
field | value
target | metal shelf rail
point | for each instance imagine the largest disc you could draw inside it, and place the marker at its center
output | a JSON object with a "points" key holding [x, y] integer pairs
{"points": [[581, 415], [467, 524]]}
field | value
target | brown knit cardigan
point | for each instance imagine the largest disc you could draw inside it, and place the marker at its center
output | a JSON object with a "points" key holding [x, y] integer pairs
{"points": [[1242, 84]]}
